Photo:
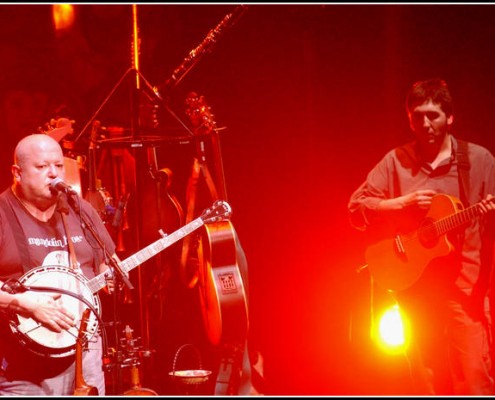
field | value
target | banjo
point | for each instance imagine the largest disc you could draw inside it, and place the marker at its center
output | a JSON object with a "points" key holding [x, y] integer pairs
{"points": [[78, 290]]}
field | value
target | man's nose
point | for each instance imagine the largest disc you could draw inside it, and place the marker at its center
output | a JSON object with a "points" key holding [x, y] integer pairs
{"points": [[53, 171]]}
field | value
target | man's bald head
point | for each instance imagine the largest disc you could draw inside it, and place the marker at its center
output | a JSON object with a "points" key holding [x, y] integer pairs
{"points": [[33, 144]]}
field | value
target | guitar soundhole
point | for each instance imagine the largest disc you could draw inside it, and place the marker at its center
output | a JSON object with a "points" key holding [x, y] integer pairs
{"points": [[427, 234]]}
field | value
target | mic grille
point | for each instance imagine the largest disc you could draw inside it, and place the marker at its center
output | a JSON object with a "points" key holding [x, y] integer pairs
{"points": [[55, 182]]}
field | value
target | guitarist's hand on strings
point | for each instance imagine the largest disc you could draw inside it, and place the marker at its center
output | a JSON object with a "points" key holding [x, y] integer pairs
{"points": [[419, 198]]}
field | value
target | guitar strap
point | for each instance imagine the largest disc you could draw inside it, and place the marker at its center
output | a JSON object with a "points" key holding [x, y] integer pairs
{"points": [[188, 248], [63, 210], [20, 240], [463, 167]]}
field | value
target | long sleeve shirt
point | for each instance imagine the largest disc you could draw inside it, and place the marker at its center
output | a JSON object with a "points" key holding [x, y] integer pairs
{"points": [[402, 171]]}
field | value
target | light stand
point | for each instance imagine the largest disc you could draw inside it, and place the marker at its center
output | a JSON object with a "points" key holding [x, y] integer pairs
{"points": [[142, 161]]}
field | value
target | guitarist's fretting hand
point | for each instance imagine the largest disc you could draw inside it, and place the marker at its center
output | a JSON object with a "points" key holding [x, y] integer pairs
{"points": [[441, 258], [45, 309], [487, 204], [419, 198]]}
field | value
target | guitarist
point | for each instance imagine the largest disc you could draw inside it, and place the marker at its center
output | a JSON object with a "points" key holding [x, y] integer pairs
{"points": [[448, 305], [39, 222]]}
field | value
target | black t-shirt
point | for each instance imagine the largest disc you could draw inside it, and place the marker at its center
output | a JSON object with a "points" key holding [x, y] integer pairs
{"points": [[37, 252]]}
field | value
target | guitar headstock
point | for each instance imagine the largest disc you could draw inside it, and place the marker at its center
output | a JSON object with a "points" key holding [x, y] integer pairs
{"points": [[219, 211], [199, 112]]}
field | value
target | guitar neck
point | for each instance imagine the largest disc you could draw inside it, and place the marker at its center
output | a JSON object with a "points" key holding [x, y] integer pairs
{"points": [[457, 219], [100, 281]]}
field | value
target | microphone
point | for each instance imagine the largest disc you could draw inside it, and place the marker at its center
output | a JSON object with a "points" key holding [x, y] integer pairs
{"points": [[59, 185]]}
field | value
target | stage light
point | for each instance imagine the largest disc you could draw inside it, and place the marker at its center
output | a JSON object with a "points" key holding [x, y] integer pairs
{"points": [[63, 16], [392, 330]]}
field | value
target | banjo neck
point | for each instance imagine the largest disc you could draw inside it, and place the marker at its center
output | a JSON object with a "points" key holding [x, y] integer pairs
{"points": [[45, 342], [100, 281]]}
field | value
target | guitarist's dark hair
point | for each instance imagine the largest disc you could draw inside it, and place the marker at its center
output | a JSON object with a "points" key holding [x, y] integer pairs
{"points": [[435, 90]]}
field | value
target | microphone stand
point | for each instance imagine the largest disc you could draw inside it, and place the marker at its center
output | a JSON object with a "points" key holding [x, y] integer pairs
{"points": [[74, 202], [111, 261]]}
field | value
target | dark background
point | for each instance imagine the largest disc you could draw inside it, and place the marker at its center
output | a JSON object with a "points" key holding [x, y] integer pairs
{"points": [[311, 96]]}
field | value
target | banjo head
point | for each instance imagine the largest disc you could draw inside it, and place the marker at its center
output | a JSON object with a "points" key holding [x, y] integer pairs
{"points": [[73, 288]]}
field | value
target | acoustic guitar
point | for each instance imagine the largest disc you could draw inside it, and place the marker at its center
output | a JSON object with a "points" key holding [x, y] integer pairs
{"points": [[223, 301], [221, 288], [204, 127], [399, 262]]}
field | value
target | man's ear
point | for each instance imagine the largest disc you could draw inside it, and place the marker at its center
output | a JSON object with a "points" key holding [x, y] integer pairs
{"points": [[450, 120], [16, 172]]}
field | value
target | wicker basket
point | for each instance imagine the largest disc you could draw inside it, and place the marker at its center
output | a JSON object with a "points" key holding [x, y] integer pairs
{"points": [[189, 376]]}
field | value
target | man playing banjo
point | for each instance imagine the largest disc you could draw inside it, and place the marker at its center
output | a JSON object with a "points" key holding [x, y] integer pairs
{"points": [[42, 240]]}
